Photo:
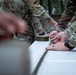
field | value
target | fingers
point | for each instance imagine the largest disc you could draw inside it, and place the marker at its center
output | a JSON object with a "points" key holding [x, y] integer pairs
{"points": [[12, 24], [22, 26], [51, 47], [8, 27], [54, 38], [53, 34], [55, 41], [11, 28], [59, 37], [5, 23]]}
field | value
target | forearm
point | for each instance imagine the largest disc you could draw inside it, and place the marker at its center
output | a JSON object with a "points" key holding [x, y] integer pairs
{"points": [[67, 15], [71, 42], [71, 29], [53, 22], [71, 33], [37, 25]]}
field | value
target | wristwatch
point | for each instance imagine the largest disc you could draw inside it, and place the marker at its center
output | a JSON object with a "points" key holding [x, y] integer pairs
{"points": [[67, 45]]}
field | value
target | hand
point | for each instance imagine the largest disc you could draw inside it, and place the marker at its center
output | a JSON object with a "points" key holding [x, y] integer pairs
{"points": [[57, 47], [52, 35], [11, 24], [60, 37], [8, 21], [22, 26]]}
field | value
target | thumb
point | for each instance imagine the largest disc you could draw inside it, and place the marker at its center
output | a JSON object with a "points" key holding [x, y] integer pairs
{"points": [[54, 38]]}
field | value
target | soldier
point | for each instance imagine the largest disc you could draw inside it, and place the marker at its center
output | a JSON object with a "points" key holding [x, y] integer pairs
{"points": [[21, 9], [68, 23], [40, 13]]}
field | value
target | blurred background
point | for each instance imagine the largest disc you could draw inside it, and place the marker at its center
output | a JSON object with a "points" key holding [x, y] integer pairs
{"points": [[54, 7]]}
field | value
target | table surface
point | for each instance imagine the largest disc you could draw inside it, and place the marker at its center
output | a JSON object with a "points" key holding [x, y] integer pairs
{"points": [[54, 62]]}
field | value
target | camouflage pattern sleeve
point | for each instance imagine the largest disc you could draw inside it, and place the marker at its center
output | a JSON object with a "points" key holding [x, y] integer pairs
{"points": [[67, 14], [39, 15], [39, 11], [37, 25], [71, 32]]}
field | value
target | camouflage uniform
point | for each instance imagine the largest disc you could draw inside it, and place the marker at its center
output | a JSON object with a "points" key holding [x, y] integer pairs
{"points": [[21, 9], [67, 21], [40, 13]]}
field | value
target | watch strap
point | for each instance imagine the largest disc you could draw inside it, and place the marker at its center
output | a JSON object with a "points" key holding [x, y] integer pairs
{"points": [[67, 44]]}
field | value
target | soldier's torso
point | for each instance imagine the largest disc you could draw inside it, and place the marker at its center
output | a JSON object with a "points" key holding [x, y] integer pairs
{"points": [[17, 7]]}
